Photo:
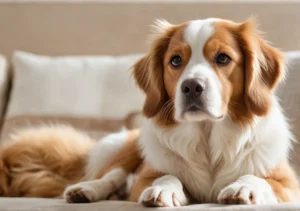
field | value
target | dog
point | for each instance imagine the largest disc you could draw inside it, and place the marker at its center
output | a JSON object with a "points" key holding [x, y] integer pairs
{"points": [[214, 133]]}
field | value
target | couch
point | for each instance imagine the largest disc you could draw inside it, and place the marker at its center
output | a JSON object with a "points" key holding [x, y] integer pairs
{"points": [[78, 70]]}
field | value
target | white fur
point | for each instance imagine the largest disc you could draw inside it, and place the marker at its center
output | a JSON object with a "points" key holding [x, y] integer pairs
{"points": [[207, 156], [206, 164], [130, 182], [246, 188], [99, 189], [103, 152], [167, 189], [199, 68], [159, 27]]}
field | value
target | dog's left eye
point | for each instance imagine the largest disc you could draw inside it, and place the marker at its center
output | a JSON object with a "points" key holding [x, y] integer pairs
{"points": [[222, 59], [176, 61]]}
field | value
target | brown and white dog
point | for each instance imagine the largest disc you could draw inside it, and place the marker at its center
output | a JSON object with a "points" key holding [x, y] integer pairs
{"points": [[215, 131], [214, 125]]}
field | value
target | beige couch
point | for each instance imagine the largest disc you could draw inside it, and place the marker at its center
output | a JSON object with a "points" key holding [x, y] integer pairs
{"points": [[79, 91]]}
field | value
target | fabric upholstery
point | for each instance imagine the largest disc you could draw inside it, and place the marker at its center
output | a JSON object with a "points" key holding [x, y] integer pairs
{"points": [[95, 128], [93, 94], [289, 95], [26, 204], [98, 87]]}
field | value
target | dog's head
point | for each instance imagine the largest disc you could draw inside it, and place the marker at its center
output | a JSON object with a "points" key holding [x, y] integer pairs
{"points": [[208, 69]]}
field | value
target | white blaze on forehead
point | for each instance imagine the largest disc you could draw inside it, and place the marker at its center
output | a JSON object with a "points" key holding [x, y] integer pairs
{"points": [[196, 35]]}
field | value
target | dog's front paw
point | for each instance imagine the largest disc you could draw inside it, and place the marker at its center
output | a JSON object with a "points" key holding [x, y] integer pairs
{"points": [[159, 196], [80, 193], [237, 194], [248, 189]]}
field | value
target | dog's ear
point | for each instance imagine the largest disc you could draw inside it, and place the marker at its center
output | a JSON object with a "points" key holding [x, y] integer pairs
{"points": [[263, 66], [148, 71]]}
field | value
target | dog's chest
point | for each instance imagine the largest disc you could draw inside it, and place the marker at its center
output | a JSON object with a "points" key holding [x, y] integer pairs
{"points": [[187, 153]]}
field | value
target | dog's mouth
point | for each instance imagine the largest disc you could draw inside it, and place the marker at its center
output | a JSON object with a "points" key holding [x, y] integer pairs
{"points": [[193, 108], [200, 110]]}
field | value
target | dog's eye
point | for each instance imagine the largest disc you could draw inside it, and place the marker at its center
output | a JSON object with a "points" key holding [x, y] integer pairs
{"points": [[222, 59], [176, 61]]}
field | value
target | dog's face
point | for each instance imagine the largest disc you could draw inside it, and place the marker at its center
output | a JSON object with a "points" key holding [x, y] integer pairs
{"points": [[208, 69]]}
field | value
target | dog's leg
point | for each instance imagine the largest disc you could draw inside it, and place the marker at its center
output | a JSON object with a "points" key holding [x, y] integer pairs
{"points": [[154, 189], [95, 190], [280, 186], [284, 183], [111, 178], [144, 179]]}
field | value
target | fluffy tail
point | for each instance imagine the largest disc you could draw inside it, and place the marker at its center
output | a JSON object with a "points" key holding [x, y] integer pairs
{"points": [[41, 162]]}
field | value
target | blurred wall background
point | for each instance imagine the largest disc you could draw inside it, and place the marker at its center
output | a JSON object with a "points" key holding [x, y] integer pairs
{"points": [[92, 27]]}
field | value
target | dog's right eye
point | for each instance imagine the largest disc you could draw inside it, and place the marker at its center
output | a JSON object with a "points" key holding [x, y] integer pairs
{"points": [[176, 61], [222, 59]]}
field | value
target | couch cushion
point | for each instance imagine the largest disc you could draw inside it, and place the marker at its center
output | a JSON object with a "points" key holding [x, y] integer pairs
{"points": [[73, 86], [289, 95], [82, 91], [32, 204], [289, 91]]}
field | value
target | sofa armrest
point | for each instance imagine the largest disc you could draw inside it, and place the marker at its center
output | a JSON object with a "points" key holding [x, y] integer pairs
{"points": [[4, 81]]}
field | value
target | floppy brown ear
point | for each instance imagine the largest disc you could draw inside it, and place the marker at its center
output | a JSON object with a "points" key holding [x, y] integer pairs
{"points": [[148, 71], [264, 68]]}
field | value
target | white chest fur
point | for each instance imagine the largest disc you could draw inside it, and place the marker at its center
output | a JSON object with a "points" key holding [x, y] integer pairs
{"points": [[206, 157]]}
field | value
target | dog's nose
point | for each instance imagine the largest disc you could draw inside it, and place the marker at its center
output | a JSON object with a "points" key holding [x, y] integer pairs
{"points": [[191, 88]]}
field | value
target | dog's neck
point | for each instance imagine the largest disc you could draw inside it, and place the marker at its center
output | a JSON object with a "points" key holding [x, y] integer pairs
{"points": [[233, 134], [226, 139]]}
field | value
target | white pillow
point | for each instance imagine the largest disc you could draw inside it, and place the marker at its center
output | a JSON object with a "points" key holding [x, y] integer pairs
{"points": [[80, 86]]}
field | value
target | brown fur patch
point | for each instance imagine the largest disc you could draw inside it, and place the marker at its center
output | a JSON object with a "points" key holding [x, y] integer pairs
{"points": [[177, 47], [231, 76], [41, 162], [4, 178], [264, 68], [157, 79], [284, 183], [145, 179], [250, 78]]}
